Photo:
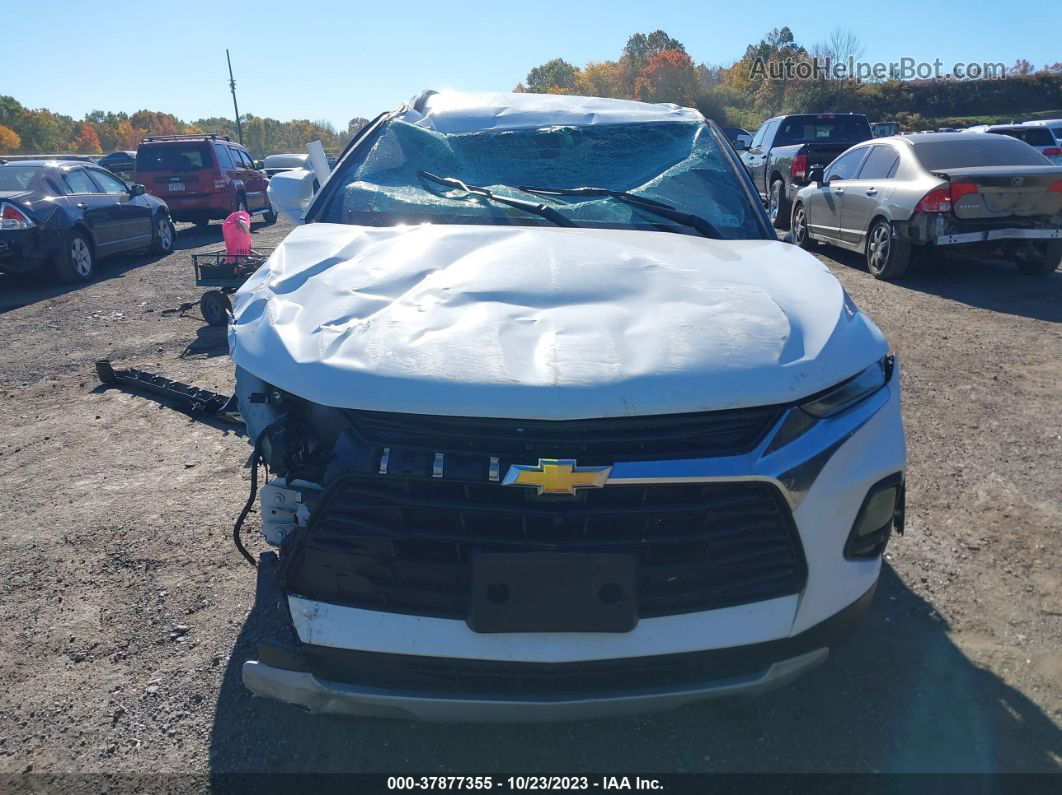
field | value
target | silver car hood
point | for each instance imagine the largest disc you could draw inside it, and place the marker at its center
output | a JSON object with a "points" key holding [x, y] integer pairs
{"points": [[543, 322]]}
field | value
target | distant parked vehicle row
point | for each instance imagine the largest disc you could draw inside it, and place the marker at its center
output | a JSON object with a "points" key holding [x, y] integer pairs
{"points": [[985, 194], [203, 177], [69, 214], [785, 148]]}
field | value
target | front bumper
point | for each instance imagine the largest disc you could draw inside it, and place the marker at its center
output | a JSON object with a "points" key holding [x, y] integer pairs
{"points": [[767, 666], [305, 690]]}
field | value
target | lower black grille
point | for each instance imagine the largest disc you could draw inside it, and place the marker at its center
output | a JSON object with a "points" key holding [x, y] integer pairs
{"points": [[408, 545]]}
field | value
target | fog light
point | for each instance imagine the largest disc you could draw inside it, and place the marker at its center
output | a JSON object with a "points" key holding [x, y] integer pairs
{"points": [[882, 509]]}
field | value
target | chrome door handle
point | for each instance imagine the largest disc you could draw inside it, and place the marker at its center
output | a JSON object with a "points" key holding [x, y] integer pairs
{"points": [[82, 205], [872, 192], [838, 191]]}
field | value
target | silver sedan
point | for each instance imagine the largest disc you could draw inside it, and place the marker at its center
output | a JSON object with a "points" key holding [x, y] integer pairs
{"points": [[888, 198]]}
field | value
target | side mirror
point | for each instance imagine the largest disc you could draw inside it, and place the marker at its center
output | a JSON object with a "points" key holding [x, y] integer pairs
{"points": [[137, 189], [259, 164], [291, 192], [740, 145], [814, 175]]}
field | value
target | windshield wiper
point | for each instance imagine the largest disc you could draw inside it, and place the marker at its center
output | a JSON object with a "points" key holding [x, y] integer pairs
{"points": [[542, 210], [651, 205]]}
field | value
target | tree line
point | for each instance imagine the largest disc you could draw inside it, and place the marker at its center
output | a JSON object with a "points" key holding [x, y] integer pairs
{"points": [[40, 131], [656, 67]]}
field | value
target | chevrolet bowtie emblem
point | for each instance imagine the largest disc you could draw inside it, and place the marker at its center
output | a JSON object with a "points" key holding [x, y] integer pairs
{"points": [[556, 476]]}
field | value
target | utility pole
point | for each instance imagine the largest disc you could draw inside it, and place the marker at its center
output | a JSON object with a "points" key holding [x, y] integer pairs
{"points": [[235, 107]]}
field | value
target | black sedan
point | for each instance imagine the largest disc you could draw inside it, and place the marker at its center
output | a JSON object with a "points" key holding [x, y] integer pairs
{"points": [[69, 214]]}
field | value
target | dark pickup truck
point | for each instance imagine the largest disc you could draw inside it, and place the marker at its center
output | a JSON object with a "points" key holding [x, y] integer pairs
{"points": [[785, 148]]}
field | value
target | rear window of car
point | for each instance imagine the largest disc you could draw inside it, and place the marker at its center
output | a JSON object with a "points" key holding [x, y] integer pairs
{"points": [[1034, 136], [17, 177], [989, 150], [822, 129], [181, 157]]}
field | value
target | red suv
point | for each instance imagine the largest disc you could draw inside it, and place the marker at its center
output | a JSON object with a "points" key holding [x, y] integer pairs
{"points": [[202, 177]]}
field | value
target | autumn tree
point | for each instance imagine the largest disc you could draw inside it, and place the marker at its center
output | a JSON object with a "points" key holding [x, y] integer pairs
{"points": [[87, 141], [9, 140], [668, 77]]}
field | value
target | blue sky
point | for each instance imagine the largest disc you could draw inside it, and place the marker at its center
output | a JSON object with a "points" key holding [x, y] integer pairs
{"points": [[326, 59]]}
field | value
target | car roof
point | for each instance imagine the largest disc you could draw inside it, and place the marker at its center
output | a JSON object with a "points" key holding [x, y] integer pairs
{"points": [[935, 137], [48, 162], [454, 112]]}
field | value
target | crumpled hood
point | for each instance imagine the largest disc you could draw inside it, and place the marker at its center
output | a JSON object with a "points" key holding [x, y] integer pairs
{"points": [[543, 322]]}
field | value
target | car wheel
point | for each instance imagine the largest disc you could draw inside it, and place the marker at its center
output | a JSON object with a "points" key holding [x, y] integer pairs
{"points": [[215, 306], [887, 256], [163, 235], [76, 263], [800, 228], [1045, 265], [778, 205], [270, 216]]}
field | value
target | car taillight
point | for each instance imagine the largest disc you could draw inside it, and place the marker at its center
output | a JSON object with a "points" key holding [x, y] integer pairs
{"points": [[13, 218], [936, 201], [799, 167], [960, 189], [1056, 186], [1053, 152], [942, 199], [219, 184]]}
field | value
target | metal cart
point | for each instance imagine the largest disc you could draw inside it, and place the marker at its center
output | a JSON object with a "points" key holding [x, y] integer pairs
{"points": [[225, 273]]}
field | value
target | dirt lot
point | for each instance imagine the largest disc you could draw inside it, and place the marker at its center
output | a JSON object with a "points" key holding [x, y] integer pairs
{"points": [[127, 612]]}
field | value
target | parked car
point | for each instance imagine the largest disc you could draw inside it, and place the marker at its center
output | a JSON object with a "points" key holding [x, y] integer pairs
{"points": [[276, 164], [1039, 138], [578, 436], [70, 214], [1054, 125], [202, 177], [785, 147], [119, 162], [883, 129], [981, 194]]}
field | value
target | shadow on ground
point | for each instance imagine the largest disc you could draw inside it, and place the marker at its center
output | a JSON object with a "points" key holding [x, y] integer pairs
{"points": [[997, 286], [899, 697]]}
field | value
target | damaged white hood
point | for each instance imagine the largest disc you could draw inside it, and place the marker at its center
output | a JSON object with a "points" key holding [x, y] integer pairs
{"points": [[542, 322]]}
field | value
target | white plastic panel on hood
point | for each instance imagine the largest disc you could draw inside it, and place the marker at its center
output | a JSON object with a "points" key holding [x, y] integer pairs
{"points": [[542, 322]]}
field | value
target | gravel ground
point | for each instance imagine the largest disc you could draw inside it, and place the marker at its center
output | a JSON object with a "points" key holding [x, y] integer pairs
{"points": [[127, 612]]}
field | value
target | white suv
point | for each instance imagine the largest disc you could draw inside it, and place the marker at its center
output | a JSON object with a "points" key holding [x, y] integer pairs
{"points": [[556, 426]]}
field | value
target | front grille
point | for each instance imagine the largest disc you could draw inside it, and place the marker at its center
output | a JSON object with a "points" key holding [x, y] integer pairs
{"points": [[594, 441], [407, 545]]}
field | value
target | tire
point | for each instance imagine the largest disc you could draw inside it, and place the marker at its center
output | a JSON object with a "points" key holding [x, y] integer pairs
{"points": [[76, 262], [162, 235], [270, 216], [778, 206], [887, 256], [215, 307], [799, 226], [1045, 265]]}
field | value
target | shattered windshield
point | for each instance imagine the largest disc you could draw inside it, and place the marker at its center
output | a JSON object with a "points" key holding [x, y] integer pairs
{"points": [[678, 163]]}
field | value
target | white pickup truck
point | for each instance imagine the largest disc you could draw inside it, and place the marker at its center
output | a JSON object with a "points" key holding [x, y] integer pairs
{"points": [[555, 426]]}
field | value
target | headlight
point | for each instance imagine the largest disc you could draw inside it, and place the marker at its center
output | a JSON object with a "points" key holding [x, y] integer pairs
{"points": [[850, 392]]}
